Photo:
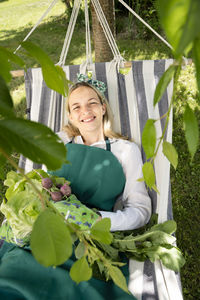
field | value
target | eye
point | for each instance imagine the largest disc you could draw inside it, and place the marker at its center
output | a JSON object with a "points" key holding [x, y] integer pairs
{"points": [[75, 107]]}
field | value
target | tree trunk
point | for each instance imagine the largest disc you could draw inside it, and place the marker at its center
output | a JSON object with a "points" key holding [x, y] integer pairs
{"points": [[101, 46], [67, 2]]}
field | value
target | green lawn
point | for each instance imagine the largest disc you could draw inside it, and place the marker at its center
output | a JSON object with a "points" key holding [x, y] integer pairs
{"points": [[16, 19]]}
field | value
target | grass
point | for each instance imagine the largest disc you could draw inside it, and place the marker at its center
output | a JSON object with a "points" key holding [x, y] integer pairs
{"points": [[16, 19]]}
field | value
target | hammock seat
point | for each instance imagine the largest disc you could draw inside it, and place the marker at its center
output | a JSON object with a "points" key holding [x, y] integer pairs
{"points": [[131, 100]]}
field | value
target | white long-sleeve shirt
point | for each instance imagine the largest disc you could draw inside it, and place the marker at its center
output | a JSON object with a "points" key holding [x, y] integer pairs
{"points": [[135, 210]]}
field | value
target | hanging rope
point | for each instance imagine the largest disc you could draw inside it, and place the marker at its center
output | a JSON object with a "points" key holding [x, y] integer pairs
{"points": [[147, 25], [69, 32], [88, 39], [107, 31], [38, 22], [104, 24]]}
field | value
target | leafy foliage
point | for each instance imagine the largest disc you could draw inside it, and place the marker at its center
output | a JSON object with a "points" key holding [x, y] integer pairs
{"points": [[52, 235], [176, 16], [33, 140]]}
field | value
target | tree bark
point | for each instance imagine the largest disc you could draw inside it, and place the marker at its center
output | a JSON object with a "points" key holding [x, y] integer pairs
{"points": [[67, 2], [101, 46]]}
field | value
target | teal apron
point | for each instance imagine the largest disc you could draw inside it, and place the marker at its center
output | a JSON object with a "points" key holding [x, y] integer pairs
{"points": [[97, 178]]}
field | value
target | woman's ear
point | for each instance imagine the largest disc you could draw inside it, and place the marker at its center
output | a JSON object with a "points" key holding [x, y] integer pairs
{"points": [[104, 108]]}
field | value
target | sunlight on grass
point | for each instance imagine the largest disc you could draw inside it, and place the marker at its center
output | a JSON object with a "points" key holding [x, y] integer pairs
{"points": [[186, 91], [80, 59], [135, 49], [15, 14], [18, 94]]}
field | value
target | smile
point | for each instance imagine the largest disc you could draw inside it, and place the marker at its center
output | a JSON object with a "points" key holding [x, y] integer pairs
{"points": [[88, 120]]}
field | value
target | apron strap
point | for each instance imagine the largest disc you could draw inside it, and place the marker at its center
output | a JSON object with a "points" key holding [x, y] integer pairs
{"points": [[108, 146]]}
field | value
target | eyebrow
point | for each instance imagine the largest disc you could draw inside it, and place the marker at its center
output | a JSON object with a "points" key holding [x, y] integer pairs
{"points": [[92, 98]]}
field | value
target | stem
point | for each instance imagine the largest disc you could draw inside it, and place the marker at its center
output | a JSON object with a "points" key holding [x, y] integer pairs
{"points": [[13, 163]]}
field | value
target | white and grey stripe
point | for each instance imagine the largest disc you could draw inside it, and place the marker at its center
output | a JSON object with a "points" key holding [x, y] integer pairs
{"points": [[131, 100]]}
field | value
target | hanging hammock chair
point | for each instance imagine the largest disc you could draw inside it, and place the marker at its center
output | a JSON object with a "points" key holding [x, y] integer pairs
{"points": [[131, 99]]}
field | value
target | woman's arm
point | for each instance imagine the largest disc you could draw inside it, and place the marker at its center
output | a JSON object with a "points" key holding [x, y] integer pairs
{"points": [[136, 202]]}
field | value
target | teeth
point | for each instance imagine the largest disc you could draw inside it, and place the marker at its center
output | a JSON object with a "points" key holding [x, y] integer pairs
{"points": [[87, 120]]}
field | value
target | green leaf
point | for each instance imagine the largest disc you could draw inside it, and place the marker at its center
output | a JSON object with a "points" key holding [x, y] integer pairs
{"points": [[21, 210], [125, 243], [154, 187], [51, 242], [65, 81], [12, 177], [80, 250], [111, 251], [35, 141], [118, 278], [149, 138], [196, 55], [191, 130], [170, 152], [180, 20], [140, 179], [163, 83], [161, 237], [6, 103], [170, 256], [100, 231], [168, 227], [190, 29], [101, 266], [5, 148], [149, 175], [54, 76], [155, 236], [11, 56], [80, 270], [2, 161], [5, 67], [1, 169]]}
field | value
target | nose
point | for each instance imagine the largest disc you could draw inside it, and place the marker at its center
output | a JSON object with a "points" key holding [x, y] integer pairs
{"points": [[86, 109]]}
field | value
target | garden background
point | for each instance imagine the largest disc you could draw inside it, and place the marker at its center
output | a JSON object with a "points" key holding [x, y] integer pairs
{"points": [[135, 42]]}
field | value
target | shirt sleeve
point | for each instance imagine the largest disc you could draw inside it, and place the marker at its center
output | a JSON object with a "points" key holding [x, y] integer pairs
{"points": [[136, 210]]}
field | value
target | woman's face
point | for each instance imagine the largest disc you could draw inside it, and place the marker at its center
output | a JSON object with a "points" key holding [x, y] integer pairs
{"points": [[86, 111]]}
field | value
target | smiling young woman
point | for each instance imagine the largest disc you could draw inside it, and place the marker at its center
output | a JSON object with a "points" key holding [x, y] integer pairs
{"points": [[107, 117], [103, 173], [86, 113]]}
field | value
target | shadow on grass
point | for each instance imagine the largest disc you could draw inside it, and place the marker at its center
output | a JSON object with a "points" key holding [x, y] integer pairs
{"points": [[186, 204], [50, 37]]}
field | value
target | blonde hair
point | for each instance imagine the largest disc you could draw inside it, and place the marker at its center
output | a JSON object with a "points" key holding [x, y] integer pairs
{"points": [[73, 131]]}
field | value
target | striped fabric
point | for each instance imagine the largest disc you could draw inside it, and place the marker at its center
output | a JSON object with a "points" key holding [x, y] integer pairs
{"points": [[131, 99]]}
